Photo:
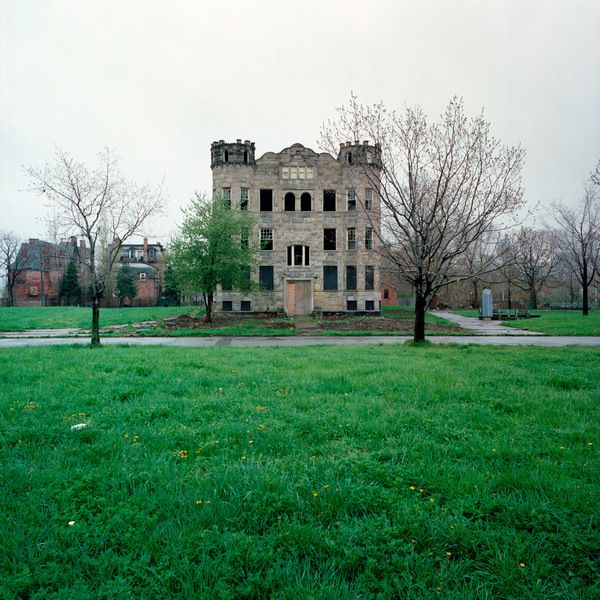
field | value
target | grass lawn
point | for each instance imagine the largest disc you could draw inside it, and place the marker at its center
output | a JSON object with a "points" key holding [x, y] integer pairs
{"points": [[60, 317], [554, 322], [328, 473]]}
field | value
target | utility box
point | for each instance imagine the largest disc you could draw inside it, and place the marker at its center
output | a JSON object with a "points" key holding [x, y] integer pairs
{"points": [[487, 307]]}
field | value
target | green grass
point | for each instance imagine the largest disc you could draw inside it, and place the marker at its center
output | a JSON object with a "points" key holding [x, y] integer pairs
{"points": [[554, 322], [378, 472], [60, 317], [409, 312]]}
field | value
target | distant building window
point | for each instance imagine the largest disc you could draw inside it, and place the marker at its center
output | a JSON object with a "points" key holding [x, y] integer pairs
{"points": [[329, 200], [266, 239], [245, 156], [330, 278], [265, 278], [132, 253], [227, 305], [351, 236], [246, 306], [351, 200], [151, 254], [289, 202], [329, 241], [244, 196], [266, 200], [368, 238], [298, 256], [349, 158], [226, 156], [368, 199], [142, 276], [293, 172], [350, 277], [285, 173], [369, 277], [369, 304], [352, 305], [227, 196], [305, 202], [386, 294]]}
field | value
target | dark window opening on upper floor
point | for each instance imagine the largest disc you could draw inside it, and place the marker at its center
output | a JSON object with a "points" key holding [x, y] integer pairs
{"points": [[329, 239], [329, 200], [226, 156], [369, 277], [266, 200], [289, 202], [245, 156], [350, 277], [330, 278], [265, 278], [298, 256], [305, 202]]}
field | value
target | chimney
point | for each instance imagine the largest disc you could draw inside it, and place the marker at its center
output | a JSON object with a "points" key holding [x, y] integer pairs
{"points": [[73, 241], [145, 250], [82, 245]]}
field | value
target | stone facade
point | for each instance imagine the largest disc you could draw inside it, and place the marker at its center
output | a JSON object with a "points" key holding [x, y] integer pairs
{"points": [[318, 218]]}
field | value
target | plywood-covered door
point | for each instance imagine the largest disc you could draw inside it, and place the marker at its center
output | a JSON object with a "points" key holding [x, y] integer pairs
{"points": [[302, 293]]}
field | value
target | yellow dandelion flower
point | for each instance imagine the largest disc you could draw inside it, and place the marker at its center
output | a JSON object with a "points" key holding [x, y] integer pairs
{"points": [[448, 553], [522, 565], [315, 494], [412, 487]]}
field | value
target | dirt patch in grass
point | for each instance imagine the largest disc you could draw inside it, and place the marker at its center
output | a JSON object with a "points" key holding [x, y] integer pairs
{"points": [[382, 324], [226, 321]]}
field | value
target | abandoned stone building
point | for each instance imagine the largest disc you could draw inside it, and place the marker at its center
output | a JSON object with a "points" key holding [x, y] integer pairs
{"points": [[317, 223]]}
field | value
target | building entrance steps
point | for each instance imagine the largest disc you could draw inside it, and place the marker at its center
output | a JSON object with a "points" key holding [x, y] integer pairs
{"points": [[306, 325]]}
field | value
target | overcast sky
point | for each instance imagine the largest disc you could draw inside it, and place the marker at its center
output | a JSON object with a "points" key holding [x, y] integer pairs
{"points": [[158, 81]]}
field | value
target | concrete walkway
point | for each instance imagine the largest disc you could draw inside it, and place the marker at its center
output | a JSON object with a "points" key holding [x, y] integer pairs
{"points": [[483, 327], [310, 340]]}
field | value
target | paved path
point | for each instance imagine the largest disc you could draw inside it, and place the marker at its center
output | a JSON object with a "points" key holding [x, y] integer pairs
{"points": [[269, 342], [483, 327]]}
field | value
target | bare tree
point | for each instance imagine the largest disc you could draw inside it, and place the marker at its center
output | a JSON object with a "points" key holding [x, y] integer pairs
{"points": [[99, 205], [535, 257], [442, 186], [579, 239], [11, 260]]}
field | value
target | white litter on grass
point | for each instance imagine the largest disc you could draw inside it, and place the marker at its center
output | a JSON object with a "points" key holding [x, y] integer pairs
{"points": [[71, 523], [78, 426]]}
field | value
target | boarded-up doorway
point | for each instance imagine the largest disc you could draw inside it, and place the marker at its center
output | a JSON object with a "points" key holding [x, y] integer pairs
{"points": [[299, 297]]}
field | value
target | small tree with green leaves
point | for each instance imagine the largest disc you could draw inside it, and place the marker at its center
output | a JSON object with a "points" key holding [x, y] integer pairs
{"points": [[69, 291], [171, 291], [125, 284], [213, 248]]}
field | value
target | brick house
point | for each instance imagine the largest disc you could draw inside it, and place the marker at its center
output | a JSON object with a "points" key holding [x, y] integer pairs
{"points": [[318, 218], [40, 265], [147, 262]]}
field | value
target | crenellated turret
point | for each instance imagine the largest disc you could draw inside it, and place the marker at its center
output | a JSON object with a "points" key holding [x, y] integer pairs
{"points": [[236, 153], [357, 153]]}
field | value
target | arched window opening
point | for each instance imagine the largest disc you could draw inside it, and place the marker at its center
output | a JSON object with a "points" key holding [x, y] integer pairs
{"points": [[305, 202], [290, 202]]}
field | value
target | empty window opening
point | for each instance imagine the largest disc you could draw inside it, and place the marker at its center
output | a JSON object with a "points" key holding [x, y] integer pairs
{"points": [[244, 196], [265, 278], [227, 305], [369, 304], [245, 237], [151, 254], [226, 156], [298, 256], [350, 277], [386, 294], [266, 239], [351, 235], [142, 276], [368, 199], [352, 305], [246, 306], [349, 158], [330, 278], [266, 200], [351, 200], [329, 200], [305, 202], [227, 196], [329, 241], [289, 202], [368, 239], [245, 159], [369, 277]]}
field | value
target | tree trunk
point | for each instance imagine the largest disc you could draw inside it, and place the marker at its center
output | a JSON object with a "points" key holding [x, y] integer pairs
{"points": [[419, 334], [208, 300], [533, 297], [585, 293], [95, 320]]}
